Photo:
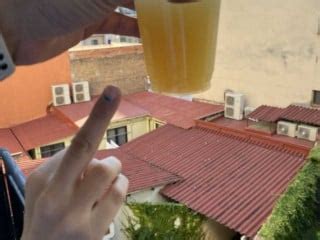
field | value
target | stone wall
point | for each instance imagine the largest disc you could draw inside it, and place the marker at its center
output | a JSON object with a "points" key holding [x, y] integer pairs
{"points": [[119, 66]]}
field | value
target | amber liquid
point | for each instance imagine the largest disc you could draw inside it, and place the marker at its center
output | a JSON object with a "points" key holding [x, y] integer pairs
{"points": [[179, 41]]}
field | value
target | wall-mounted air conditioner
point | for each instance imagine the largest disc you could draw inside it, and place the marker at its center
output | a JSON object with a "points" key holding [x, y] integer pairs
{"points": [[286, 128], [61, 94], [234, 106], [307, 132], [80, 92]]}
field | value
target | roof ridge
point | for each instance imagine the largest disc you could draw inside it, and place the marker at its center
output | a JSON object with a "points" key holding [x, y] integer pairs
{"points": [[60, 115]]}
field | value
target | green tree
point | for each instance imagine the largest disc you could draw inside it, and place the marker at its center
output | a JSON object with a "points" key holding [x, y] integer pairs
{"points": [[296, 211], [166, 221]]}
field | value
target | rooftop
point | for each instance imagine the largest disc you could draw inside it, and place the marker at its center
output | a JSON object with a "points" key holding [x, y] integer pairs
{"points": [[243, 127], [293, 113], [27, 165], [172, 110], [141, 174], [266, 114], [44, 130], [301, 115], [9, 141], [233, 179], [80, 111]]}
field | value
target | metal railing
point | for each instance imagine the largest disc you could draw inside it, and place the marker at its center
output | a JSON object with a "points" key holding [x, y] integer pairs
{"points": [[14, 183]]}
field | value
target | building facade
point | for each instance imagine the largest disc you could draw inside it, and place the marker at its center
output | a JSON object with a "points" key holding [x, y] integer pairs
{"points": [[269, 51], [27, 93]]}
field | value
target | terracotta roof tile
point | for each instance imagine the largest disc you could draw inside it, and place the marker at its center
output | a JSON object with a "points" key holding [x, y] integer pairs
{"points": [[27, 165], [141, 175], [43, 131], [172, 110], [230, 178], [302, 115], [80, 111], [266, 114], [9, 141]]}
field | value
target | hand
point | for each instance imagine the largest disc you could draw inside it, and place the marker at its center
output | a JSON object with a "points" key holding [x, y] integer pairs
{"points": [[36, 30], [72, 196]]}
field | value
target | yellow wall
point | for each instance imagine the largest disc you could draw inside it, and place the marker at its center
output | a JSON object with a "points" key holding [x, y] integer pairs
{"points": [[268, 50], [153, 122], [136, 127]]}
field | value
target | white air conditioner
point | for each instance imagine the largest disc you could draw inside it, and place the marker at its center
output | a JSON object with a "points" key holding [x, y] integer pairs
{"points": [[286, 128], [61, 94], [80, 92], [248, 110], [234, 106], [307, 132]]}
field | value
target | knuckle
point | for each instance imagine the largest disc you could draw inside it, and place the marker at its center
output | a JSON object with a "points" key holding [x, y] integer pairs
{"points": [[104, 170], [82, 144]]}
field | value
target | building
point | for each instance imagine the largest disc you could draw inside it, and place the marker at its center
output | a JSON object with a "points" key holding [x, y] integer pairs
{"points": [[121, 66], [107, 40], [229, 175], [230, 171], [269, 52], [112, 39], [138, 114], [27, 93]]}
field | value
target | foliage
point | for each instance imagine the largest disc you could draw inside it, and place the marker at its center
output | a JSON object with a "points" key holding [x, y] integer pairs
{"points": [[296, 211], [167, 221]]}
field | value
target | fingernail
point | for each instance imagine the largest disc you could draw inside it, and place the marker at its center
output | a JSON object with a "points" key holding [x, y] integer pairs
{"points": [[110, 93]]}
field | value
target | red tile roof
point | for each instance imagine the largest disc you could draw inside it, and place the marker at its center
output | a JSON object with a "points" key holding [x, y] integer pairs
{"points": [[171, 110], [266, 114], [141, 175], [9, 141], [79, 111], [27, 165], [291, 113], [244, 128], [302, 115], [44, 130], [228, 177]]}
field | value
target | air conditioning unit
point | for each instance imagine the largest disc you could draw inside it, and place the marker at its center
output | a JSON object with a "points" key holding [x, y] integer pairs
{"points": [[307, 132], [234, 106], [286, 128], [80, 92], [248, 110], [61, 94]]}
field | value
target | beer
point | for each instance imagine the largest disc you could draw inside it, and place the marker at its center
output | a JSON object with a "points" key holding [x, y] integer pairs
{"points": [[179, 41]]}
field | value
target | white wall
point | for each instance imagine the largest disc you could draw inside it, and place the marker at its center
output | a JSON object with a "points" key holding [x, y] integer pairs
{"points": [[268, 50]]}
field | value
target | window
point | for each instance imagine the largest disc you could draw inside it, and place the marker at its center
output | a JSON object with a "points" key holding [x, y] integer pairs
{"points": [[123, 39], [118, 135], [316, 97], [50, 150], [157, 125], [32, 153], [94, 42]]}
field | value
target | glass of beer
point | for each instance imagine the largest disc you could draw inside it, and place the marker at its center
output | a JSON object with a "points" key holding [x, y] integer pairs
{"points": [[179, 40]]}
